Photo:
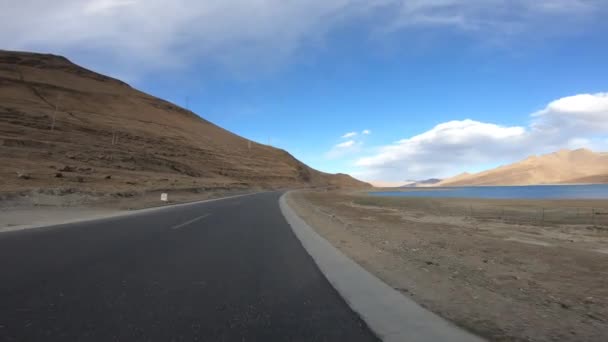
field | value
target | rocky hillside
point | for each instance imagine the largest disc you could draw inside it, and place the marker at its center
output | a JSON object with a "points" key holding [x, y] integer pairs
{"points": [[62, 126], [562, 167]]}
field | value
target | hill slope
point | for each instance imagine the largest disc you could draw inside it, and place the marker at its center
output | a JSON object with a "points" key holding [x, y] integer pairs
{"points": [[564, 166], [62, 126]]}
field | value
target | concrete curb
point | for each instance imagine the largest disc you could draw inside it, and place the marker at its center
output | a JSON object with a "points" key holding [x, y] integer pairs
{"points": [[392, 316]]}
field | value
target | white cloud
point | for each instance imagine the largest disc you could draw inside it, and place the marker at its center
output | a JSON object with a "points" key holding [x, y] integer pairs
{"points": [[98, 6], [492, 17], [452, 143], [349, 135], [456, 146], [576, 143], [579, 112], [343, 149], [354, 134], [147, 35], [346, 144]]}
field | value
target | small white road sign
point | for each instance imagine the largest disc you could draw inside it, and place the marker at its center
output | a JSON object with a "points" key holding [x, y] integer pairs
{"points": [[164, 197]]}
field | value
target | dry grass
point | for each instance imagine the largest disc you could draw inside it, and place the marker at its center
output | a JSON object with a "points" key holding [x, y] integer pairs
{"points": [[535, 212], [503, 280], [55, 114]]}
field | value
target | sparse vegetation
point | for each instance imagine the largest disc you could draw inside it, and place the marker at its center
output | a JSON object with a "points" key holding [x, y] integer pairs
{"points": [[103, 127], [508, 277]]}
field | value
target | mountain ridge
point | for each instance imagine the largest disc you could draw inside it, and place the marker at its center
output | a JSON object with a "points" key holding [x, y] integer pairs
{"points": [[64, 126], [560, 167]]}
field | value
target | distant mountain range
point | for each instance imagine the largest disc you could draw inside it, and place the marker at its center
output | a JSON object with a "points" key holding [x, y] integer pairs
{"points": [[421, 183], [406, 184], [562, 167]]}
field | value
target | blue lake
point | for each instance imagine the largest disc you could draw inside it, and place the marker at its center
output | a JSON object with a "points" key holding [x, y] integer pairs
{"points": [[597, 191]]}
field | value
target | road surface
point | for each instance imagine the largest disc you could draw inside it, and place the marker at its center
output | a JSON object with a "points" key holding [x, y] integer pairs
{"points": [[227, 270]]}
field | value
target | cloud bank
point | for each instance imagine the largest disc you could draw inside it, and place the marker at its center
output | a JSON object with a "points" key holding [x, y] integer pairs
{"points": [[456, 146], [147, 35]]}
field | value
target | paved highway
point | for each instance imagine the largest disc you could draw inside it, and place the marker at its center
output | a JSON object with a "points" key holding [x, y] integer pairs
{"points": [[227, 270]]}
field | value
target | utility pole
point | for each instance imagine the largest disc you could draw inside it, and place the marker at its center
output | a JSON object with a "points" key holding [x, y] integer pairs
{"points": [[543, 217], [55, 112], [114, 136]]}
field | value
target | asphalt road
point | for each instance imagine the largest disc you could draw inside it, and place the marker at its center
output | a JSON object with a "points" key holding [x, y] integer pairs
{"points": [[228, 270]]}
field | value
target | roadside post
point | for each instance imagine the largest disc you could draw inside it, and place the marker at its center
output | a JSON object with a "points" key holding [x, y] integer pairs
{"points": [[542, 217]]}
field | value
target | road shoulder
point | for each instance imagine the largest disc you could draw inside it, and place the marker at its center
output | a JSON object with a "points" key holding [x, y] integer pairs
{"points": [[497, 273], [13, 219], [389, 314]]}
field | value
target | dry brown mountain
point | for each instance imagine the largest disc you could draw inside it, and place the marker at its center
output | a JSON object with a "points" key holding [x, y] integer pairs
{"points": [[562, 167], [63, 126]]}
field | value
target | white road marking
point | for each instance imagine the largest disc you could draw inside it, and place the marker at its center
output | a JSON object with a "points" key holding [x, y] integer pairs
{"points": [[189, 222], [121, 214]]}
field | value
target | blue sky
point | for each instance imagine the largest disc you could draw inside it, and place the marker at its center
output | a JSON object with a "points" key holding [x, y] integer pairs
{"points": [[442, 86]]}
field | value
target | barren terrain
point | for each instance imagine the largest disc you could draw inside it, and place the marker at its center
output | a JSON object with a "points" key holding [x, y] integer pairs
{"points": [[65, 129], [500, 270], [580, 166]]}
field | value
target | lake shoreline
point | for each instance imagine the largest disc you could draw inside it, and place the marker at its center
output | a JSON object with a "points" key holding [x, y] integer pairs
{"points": [[544, 191]]}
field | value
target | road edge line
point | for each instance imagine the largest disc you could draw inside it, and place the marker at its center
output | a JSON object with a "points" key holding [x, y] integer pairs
{"points": [[390, 315], [184, 224], [124, 213]]}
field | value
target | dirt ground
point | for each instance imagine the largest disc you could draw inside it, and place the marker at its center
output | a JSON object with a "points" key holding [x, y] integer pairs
{"points": [[505, 279], [49, 208], [120, 200]]}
